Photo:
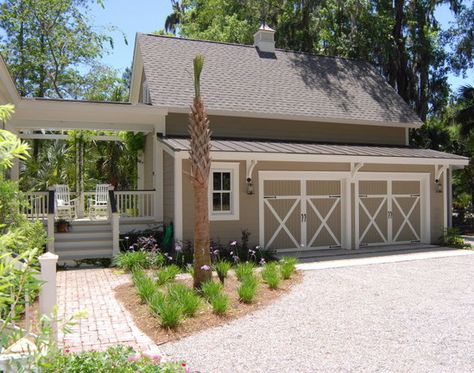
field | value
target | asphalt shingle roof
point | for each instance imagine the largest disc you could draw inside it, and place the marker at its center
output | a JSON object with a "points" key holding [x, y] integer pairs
{"points": [[245, 146], [236, 78]]}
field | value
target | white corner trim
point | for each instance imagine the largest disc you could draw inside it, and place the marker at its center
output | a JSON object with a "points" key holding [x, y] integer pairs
{"points": [[233, 168], [178, 199]]}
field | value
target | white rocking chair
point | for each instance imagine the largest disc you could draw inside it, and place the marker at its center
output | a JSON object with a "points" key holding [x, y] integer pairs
{"points": [[99, 206], [65, 206]]}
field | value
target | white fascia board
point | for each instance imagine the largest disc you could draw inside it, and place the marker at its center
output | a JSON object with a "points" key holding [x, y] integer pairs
{"points": [[67, 125], [282, 157], [250, 114]]}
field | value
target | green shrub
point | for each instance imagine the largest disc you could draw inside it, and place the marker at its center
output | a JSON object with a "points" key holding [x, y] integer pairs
{"points": [[156, 302], [157, 260], [167, 274], [211, 289], [145, 285], [118, 359], [270, 275], [287, 267], [170, 313], [247, 289], [131, 260], [222, 268], [452, 238], [244, 270], [220, 304], [186, 297]]}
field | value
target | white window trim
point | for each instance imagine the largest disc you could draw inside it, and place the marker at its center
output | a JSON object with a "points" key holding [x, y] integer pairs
{"points": [[233, 168]]}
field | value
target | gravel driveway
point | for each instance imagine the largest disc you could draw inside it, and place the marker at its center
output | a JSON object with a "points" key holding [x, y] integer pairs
{"points": [[415, 316]]}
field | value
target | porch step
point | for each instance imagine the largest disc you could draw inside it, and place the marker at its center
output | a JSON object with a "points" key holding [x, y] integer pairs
{"points": [[85, 240]]}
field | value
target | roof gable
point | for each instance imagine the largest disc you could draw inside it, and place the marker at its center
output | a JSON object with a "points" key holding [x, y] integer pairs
{"points": [[237, 79]]}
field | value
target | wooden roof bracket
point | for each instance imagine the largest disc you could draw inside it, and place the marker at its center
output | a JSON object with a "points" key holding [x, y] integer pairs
{"points": [[439, 169], [355, 167], [250, 165]]}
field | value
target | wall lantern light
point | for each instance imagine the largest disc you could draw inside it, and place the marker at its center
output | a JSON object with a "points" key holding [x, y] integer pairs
{"points": [[249, 186], [439, 186]]}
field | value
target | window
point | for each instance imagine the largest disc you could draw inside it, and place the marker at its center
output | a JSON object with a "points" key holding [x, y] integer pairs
{"points": [[224, 191]]}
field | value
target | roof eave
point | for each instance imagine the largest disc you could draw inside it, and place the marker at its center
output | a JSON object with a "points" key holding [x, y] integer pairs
{"points": [[279, 116]]}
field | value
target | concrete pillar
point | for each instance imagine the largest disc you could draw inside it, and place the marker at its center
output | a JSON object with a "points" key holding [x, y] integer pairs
{"points": [[115, 233], [50, 224]]}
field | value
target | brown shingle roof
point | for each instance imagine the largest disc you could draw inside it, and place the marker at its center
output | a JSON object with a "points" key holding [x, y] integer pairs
{"points": [[245, 146], [237, 79]]}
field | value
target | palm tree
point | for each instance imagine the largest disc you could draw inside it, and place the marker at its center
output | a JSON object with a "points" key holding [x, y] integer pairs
{"points": [[200, 167], [465, 113]]}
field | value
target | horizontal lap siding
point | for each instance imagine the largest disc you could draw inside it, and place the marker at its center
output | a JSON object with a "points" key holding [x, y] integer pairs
{"points": [[225, 231], [254, 128]]}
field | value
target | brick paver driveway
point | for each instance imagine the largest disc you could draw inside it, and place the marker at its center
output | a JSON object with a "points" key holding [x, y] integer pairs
{"points": [[415, 316]]}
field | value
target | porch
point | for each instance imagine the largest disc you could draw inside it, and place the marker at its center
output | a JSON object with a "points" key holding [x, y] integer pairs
{"points": [[90, 236]]}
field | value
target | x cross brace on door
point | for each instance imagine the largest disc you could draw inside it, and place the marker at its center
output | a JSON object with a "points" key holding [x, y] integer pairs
{"points": [[324, 222], [372, 219], [282, 222], [406, 218]]}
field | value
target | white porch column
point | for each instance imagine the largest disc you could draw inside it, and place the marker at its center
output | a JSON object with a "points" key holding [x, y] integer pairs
{"points": [[450, 197], [141, 171], [158, 175]]}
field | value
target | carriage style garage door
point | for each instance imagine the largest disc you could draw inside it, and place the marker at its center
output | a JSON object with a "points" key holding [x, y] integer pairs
{"points": [[390, 211], [302, 211]]}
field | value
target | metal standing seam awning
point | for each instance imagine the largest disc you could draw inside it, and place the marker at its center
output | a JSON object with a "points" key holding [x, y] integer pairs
{"points": [[330, 152]]}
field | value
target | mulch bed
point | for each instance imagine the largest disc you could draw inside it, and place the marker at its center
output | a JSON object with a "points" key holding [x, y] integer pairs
{"points": [[204, 318]]}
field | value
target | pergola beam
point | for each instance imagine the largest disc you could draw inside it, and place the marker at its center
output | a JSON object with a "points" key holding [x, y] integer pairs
{"points": [[57, 136]]}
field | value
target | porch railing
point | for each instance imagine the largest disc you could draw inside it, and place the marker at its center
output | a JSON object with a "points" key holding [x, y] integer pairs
{"points": [[135, 204], [36, 206], [131, 204]]}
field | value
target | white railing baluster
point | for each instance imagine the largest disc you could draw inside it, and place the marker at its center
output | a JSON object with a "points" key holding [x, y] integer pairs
{"points": [[136, 204]]}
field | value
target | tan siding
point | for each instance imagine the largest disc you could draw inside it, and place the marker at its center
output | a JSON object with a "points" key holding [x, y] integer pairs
{"points": [[225, 231], [148, 162], [168, 188], [176, 124]]}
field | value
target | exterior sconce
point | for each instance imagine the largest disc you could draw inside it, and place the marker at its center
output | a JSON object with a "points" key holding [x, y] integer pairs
{"points": [[249, 186], [438, 186]]}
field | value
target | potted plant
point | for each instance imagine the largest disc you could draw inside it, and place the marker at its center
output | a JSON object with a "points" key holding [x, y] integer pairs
{"points": [[62, 226]]}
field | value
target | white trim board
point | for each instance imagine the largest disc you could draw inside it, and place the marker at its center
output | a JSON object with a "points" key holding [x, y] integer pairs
{"points": [[318, 158]]}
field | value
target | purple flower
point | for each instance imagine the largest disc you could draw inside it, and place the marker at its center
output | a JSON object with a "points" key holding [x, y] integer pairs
{"points": [[205, 267], [126, 237], [257, 247], [131, 247], [233, 243], [216, 252], [152, 356], [262, 262], [231, 253], [135, 357], [178, 248]]}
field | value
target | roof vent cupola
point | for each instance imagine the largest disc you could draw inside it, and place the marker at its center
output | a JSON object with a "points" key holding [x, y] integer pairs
{"points": [[264, 39]]}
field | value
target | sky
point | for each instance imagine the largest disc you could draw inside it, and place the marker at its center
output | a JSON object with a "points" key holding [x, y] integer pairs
{"points": [[131, 16]]}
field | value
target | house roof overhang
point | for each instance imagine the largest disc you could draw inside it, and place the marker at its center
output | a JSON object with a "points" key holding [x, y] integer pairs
{"points": [[315, 152], [35, 113]]}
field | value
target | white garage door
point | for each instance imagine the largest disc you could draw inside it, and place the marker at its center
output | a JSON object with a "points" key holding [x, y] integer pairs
{"points": [[389, 212], [303, 213]]}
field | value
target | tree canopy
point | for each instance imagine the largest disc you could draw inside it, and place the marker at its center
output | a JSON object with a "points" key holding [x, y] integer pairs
{"points": [[401, 38], [49, 43]]}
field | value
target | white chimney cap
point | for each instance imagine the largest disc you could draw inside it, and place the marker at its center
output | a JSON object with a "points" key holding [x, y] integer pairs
{"points": [[264, 39]]}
